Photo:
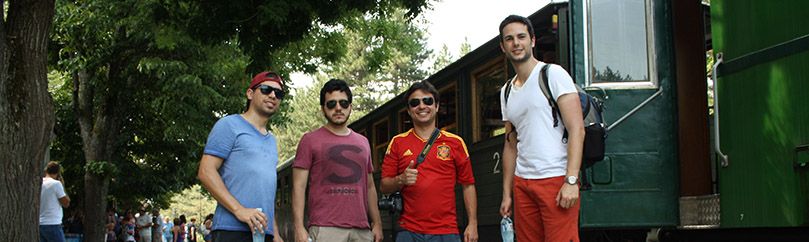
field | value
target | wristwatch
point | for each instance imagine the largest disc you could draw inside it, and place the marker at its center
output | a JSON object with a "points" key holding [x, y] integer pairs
{"points": [[571, 180]]}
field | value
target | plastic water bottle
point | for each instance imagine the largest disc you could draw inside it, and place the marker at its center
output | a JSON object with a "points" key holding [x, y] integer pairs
{"points": [[258, 235], [507, 229]]}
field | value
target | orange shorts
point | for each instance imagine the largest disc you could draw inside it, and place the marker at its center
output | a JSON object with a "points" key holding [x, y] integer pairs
{"points": [[536, 215]]}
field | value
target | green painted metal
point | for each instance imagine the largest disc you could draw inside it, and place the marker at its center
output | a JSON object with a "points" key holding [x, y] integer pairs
{"points": [[637, 186], [765, 55], [764, 115]]}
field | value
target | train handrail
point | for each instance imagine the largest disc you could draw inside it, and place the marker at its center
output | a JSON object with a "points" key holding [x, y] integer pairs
{"points": [[717, 146], [635, 110]]}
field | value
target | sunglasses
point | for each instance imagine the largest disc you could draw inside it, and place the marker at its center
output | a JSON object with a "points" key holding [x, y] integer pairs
{"points": [[266, 90], [414, 102], [331, 104]]}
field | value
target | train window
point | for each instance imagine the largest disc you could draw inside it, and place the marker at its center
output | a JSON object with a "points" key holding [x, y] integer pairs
{"points": [[487, 81], [405, 123], [619, 40], [448, 109], [381, 138]]}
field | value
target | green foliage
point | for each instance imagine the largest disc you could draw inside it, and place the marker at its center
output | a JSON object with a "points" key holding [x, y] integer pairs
{"points": [[161, 72], [441, 59], [271, 25], [164, 96], [66, 145], [100, 168], [384, 54], [465, 47], [444, 57], [305, 117], [5, 10]]}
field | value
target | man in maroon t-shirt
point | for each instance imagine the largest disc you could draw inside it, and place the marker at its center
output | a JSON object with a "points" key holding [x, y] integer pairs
{"points": [[336, 163], [428, 188]]}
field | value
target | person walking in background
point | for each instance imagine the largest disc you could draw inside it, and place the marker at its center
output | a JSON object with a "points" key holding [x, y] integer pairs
{"points": [[428, 188], [336, 163], [52, 198], [238, 165], [168, 225], [544, 183]]}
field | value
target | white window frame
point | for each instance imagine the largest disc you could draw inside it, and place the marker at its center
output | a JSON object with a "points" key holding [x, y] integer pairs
{"points": [[651, 55]]}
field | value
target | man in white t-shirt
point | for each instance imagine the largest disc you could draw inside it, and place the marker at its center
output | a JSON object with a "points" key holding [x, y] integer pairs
{"points": [[51, 201], [144, 223], [538, 167]]}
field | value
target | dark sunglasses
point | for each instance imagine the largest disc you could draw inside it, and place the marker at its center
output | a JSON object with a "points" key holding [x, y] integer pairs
{"points": [[414, 102], [331, 104], [266, 90]]}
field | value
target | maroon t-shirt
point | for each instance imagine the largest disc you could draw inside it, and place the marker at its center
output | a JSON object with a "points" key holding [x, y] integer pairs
{"points": [[338, 176]]}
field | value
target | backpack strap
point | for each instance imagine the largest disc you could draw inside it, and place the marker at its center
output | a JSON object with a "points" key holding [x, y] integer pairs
{"points": [[546, 89], [507, 91]]}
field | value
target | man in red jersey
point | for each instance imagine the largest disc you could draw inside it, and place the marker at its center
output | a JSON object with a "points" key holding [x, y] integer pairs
{"points": [[428, 188]]}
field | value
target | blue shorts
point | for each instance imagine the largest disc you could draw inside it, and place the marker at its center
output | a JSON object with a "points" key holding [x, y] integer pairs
{"points": [[51, 233], [407, 236]]}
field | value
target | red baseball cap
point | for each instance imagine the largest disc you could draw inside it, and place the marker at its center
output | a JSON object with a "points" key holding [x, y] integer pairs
{"points": [[266, 76]]}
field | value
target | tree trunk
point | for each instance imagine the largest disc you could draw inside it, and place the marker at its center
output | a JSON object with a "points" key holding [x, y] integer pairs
{"points": [[99, 125], [95, 207], [26, 115], [95, 144]]}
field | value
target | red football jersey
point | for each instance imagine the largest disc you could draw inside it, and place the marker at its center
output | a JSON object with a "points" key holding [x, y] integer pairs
{"points": [[429, 205]]}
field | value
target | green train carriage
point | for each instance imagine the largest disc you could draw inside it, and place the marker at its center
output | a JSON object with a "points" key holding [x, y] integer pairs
{"points": [[646, 59]]}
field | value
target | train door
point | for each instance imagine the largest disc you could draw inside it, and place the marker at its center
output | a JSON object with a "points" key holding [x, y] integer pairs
{"points": [[621, 51], [762, 112]]}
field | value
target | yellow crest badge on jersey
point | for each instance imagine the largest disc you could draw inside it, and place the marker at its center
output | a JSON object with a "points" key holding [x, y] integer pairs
{"points": [[443, 152], [407, 152]]}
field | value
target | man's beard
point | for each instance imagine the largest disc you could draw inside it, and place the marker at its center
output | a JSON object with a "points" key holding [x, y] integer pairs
{"points": [[526, 56], [329, 119], [267, 113]]}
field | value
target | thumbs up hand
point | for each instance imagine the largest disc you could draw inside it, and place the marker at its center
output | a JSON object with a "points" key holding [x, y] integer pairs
{"points": [[408, 177]]}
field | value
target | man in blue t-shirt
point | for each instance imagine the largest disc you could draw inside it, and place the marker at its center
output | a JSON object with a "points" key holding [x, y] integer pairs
{"points": [[238, 165]]}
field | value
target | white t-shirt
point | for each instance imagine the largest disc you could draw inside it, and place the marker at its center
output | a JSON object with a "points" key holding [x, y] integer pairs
{"points": [[540, 151], [50, 209], [143, 220]]}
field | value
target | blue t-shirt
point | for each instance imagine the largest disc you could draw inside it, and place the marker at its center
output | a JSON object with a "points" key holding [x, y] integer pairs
{"points": [[248, 170]]}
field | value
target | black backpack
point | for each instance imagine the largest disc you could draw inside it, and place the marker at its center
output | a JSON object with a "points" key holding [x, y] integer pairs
{"points": [[592, 111]]}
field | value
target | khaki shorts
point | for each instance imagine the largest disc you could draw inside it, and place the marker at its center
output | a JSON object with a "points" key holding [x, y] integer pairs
{"points": [[334, 234]]}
